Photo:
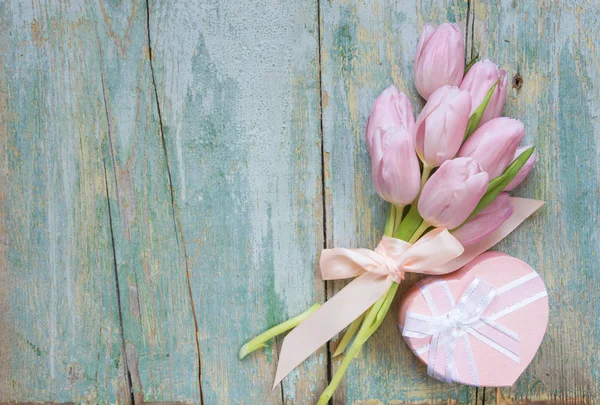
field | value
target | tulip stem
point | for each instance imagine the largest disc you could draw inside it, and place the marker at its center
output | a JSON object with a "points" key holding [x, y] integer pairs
{"points": [[391, 220], [260, 340], [422, 228], [398, 219], [372, 321], [348, 336], [425, 176]]}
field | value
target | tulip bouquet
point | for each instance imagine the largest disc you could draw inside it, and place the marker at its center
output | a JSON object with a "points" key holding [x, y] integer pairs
{"points": [[446, 177]]}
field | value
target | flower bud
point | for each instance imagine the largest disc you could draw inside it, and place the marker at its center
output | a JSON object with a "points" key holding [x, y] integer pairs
{"points": [[440, 58], [486, 221], [494, 144], [395, 167], [524, 171], [440, 128], [391, 109], [452, 193], [478, 81]]}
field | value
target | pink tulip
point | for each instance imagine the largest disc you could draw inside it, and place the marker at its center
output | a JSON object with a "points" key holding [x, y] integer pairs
{"points": [[452, 193], [480, 78], [494, 144], [525, 170], [395, 167], [440, 128], [440, 58], [485, 222], [391, 109]]}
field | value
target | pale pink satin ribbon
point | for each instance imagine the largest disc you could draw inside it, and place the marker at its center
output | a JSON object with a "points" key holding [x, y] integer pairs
{"points": [[376, 271], [438, 252]]}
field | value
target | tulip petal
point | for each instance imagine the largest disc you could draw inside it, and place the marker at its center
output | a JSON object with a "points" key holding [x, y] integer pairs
{"points": [[440, 59], [397, 176], [478, 82], [493, 144], [428, 31], [485, 222], [392, 108], [441, 125], [452, 192]]}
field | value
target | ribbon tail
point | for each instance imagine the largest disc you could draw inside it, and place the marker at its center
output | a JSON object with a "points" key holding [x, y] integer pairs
{"points": [[471, 360], [330, 319], [523, 209]]}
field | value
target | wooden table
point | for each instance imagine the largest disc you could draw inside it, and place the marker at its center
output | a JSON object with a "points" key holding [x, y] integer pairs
{"points": [[170, 171]]}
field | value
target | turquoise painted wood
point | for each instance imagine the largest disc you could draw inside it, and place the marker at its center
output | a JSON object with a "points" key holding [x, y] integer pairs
{"points": [[238, 86], [556, 55], [59, 321], [171, 169], [157, 314]]}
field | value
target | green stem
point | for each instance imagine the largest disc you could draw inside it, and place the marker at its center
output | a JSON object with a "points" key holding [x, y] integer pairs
{"points": [[398, 219], [373, 320], [422, 228], [337, 378], [389, 298], [348, 336], [409, 224], [391, 220], [424, 177], [260, 340]]}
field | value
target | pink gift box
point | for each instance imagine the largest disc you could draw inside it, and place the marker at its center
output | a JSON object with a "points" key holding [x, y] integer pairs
{"points": [[480, 325]]}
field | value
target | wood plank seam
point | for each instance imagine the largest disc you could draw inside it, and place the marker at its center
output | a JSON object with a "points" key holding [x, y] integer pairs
{"points": [[176, 220], [127, 372], [128, 379], [323, 168]]}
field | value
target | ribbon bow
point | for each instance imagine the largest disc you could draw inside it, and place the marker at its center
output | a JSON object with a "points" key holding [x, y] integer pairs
{"points": [[474, 315], [438, 252], [375, 270]]}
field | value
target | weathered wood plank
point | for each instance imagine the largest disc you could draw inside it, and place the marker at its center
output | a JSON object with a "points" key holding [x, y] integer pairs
{"points": [[366, 47], [159, 331], [82, 123], [160, 338], [238, 88], [229, 122], [553, 46], [60, 334]]}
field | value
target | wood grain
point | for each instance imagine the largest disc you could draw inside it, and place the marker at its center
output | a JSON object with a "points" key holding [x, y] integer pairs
{"points": [[171, 169], [155, 305], [238, 87], [61, 335]]}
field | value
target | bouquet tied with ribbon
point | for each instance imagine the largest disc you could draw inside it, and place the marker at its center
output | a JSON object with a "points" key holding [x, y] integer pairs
{"points": [[446, 177]]}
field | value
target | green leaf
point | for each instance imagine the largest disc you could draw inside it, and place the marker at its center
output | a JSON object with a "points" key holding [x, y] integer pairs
{"points": [[471, 63], [497, 185], [475, 118]]}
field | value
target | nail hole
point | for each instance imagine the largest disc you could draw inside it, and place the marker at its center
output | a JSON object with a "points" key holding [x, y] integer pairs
{"points": [[517, 81]]}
